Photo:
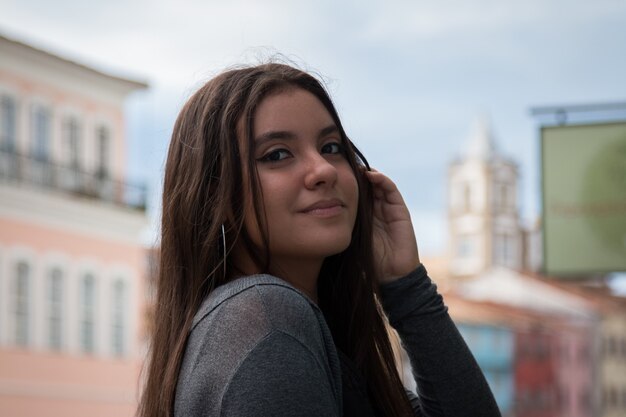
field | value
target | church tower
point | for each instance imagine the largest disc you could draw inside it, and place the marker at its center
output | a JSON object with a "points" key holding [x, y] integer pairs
{"points": [[483, 215]]}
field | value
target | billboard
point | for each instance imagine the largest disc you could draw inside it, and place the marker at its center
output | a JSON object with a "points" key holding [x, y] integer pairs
{"points": [[584, 198]]}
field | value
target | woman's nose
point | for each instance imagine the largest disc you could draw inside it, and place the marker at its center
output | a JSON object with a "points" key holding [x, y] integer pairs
{"points": [[319, 171]]}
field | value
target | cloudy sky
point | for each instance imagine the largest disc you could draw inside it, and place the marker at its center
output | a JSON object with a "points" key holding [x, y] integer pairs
{"points": [[408, 77]]}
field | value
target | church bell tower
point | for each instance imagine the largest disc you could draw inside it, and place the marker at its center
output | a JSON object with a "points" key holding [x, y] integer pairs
{"points": [[483, 214]]}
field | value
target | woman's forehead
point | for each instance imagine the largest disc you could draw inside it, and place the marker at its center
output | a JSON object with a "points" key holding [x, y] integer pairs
{"points": [[293, 111]]}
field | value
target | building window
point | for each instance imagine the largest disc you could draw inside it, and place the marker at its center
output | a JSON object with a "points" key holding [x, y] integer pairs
{"points": [[119, 311], [40, 132], [585, 400], [613, 400], [510, 250], [504, 247], [72, 154], [466, 196], [8, 122], [610, 398], [103, 148], [499, 249], [21, 307], [523, 398], [466, 247], [563, 398], [583, 352], [87, 313], [506, 199], [71, 140], [510, 197], [613, 346], [55, 309], [498, 197]]}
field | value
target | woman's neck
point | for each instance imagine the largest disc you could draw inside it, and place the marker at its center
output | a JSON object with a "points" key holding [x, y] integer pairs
{"points": [[301, 273]]}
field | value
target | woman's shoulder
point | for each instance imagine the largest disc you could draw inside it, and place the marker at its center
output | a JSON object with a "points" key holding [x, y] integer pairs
{"points": [[270, 302], [239, 315], [250, 329]]}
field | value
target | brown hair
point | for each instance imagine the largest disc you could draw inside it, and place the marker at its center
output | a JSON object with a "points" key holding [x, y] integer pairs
{"points": [[203, 189]]}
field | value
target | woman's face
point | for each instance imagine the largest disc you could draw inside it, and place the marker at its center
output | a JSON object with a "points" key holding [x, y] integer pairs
{"points": [[310, 192]]}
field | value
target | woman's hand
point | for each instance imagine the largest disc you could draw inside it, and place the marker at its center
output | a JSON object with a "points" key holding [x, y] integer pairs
{"points": [[395, 248]]}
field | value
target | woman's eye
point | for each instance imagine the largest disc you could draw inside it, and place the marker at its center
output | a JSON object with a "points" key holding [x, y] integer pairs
{"points": [[276, 155], [332, 148]]}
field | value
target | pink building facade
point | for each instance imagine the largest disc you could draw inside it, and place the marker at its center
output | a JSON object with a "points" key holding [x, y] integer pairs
{"points": [[72, 268], [574, 352]]}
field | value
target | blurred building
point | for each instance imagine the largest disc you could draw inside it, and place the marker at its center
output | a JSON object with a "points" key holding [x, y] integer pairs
{"points": [[491, 338], [547, 347], [556, 349], [483, 213], [610, 346], [71, 263]]}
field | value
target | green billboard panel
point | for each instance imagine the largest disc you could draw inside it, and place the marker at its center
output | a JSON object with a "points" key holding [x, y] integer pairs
{"points": [[584, 198]]}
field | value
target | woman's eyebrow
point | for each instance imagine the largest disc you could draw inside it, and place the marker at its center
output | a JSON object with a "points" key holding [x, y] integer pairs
{"points": [[288, 135], [274, 134], [328, 130]]}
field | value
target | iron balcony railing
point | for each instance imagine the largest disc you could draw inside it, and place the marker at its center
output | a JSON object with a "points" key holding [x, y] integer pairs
{"points": [[99, 185]]}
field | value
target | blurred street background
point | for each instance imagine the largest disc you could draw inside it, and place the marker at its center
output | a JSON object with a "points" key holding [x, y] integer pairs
{"points": [[503, 124]]}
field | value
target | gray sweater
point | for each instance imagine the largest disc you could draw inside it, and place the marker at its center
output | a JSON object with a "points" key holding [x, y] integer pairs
{"points": [[260, 347]]}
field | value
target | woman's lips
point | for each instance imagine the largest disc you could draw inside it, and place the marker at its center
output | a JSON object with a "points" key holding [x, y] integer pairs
{"points": [[325, 208]]}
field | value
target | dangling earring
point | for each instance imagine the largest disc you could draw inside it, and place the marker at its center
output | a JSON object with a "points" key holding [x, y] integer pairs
{"points": [[224, 249]]}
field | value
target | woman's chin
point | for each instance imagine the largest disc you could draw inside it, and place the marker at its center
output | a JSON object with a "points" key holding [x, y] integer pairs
{"points": [[333, 247], [318, 248]]}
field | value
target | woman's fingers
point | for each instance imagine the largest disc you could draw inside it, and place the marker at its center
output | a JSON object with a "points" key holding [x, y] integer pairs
{"points": [[394, 241], [387, 198], [384, 187]]}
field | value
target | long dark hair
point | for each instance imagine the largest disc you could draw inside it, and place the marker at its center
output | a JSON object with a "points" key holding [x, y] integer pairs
{"points": [[203, 190]]}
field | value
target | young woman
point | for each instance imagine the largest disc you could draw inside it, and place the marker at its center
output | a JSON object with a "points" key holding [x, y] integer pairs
{"points": [[282, 257]]}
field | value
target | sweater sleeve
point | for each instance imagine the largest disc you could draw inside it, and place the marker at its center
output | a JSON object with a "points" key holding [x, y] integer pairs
{"points": [[280, 377], [448, 379]]}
